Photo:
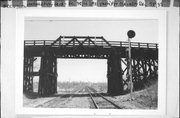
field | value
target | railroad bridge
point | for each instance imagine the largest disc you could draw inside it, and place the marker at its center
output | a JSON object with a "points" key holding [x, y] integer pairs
{"points": [[144, 61]]}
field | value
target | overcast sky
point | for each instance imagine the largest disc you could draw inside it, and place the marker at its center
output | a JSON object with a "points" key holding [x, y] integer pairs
{"points": [[111, 30]]}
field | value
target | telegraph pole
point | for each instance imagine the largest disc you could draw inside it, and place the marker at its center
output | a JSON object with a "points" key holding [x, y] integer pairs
{"points": [[130, 34]]}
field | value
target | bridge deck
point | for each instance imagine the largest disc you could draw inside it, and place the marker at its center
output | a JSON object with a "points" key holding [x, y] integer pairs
{"points": [[88, 47]]}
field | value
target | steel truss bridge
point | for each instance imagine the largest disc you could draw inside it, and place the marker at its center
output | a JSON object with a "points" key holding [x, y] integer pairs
{"points": [[144, 61]]}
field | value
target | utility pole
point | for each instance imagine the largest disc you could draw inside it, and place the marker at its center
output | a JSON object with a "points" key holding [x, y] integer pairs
{"points": [[130, 34]]}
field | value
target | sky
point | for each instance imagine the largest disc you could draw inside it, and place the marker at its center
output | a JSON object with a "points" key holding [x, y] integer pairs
{"points": [[92, 70], [111, 30], [87, 70]]}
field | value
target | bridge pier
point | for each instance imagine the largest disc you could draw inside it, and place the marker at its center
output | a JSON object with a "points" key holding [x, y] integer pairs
{"points": [[48, 74], [28, 78], [115, 84]]}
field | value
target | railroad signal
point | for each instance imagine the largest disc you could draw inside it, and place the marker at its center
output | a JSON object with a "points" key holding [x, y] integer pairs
{"points": [[131, 34]]}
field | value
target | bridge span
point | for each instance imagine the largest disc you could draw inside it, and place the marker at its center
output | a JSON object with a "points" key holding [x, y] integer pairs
{"points": [[144, 61]]}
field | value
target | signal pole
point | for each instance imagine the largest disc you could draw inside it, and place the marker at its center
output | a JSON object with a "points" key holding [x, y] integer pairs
{"points": [[130, 34]]}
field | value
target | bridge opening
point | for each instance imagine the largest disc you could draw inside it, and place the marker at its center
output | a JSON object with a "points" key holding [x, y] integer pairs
{"points": [[75, 73]]}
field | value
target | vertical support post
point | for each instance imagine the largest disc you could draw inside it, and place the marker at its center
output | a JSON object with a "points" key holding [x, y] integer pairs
{"points": [[28, 77], [146, 71], [134, 72], [115, 82], [120, 44], [88, 42], [155, 69], [73, 43], [60, 43], [130, 34], [55, 71], [48, 74], [140, 66], [25, 75], [31, 76], [150, 69], [109, 69], [34, 43], [130, 67]]}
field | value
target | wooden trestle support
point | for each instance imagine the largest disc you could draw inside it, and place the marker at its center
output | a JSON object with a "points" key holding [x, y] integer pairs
{"points": [[48, 74], [114, 74], [144, 71], [28, 78]]}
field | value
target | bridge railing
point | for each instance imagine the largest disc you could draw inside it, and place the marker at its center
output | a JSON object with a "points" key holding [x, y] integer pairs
{"points": [[94, 43], [37, 42], [133, 44]]}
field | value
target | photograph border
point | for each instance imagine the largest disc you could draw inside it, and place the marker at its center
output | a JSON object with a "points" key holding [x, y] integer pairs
{"points": [[159, 15]]}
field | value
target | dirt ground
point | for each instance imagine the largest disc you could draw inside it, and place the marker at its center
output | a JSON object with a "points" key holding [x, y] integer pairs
{"points": [[143, 99]]}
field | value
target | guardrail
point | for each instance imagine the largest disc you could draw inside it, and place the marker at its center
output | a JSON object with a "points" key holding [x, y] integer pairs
{"points": [[93, 41]]}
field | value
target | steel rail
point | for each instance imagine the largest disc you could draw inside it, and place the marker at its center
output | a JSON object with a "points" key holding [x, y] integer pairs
{"points": [[96, 106], [116, 106]]}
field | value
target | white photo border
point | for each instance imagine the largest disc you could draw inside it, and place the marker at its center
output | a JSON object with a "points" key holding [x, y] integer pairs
{"points": [[159, 15]]}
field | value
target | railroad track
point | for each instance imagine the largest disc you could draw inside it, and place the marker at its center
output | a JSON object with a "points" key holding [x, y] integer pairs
{"points": [[100, 101], [59, 100]]}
